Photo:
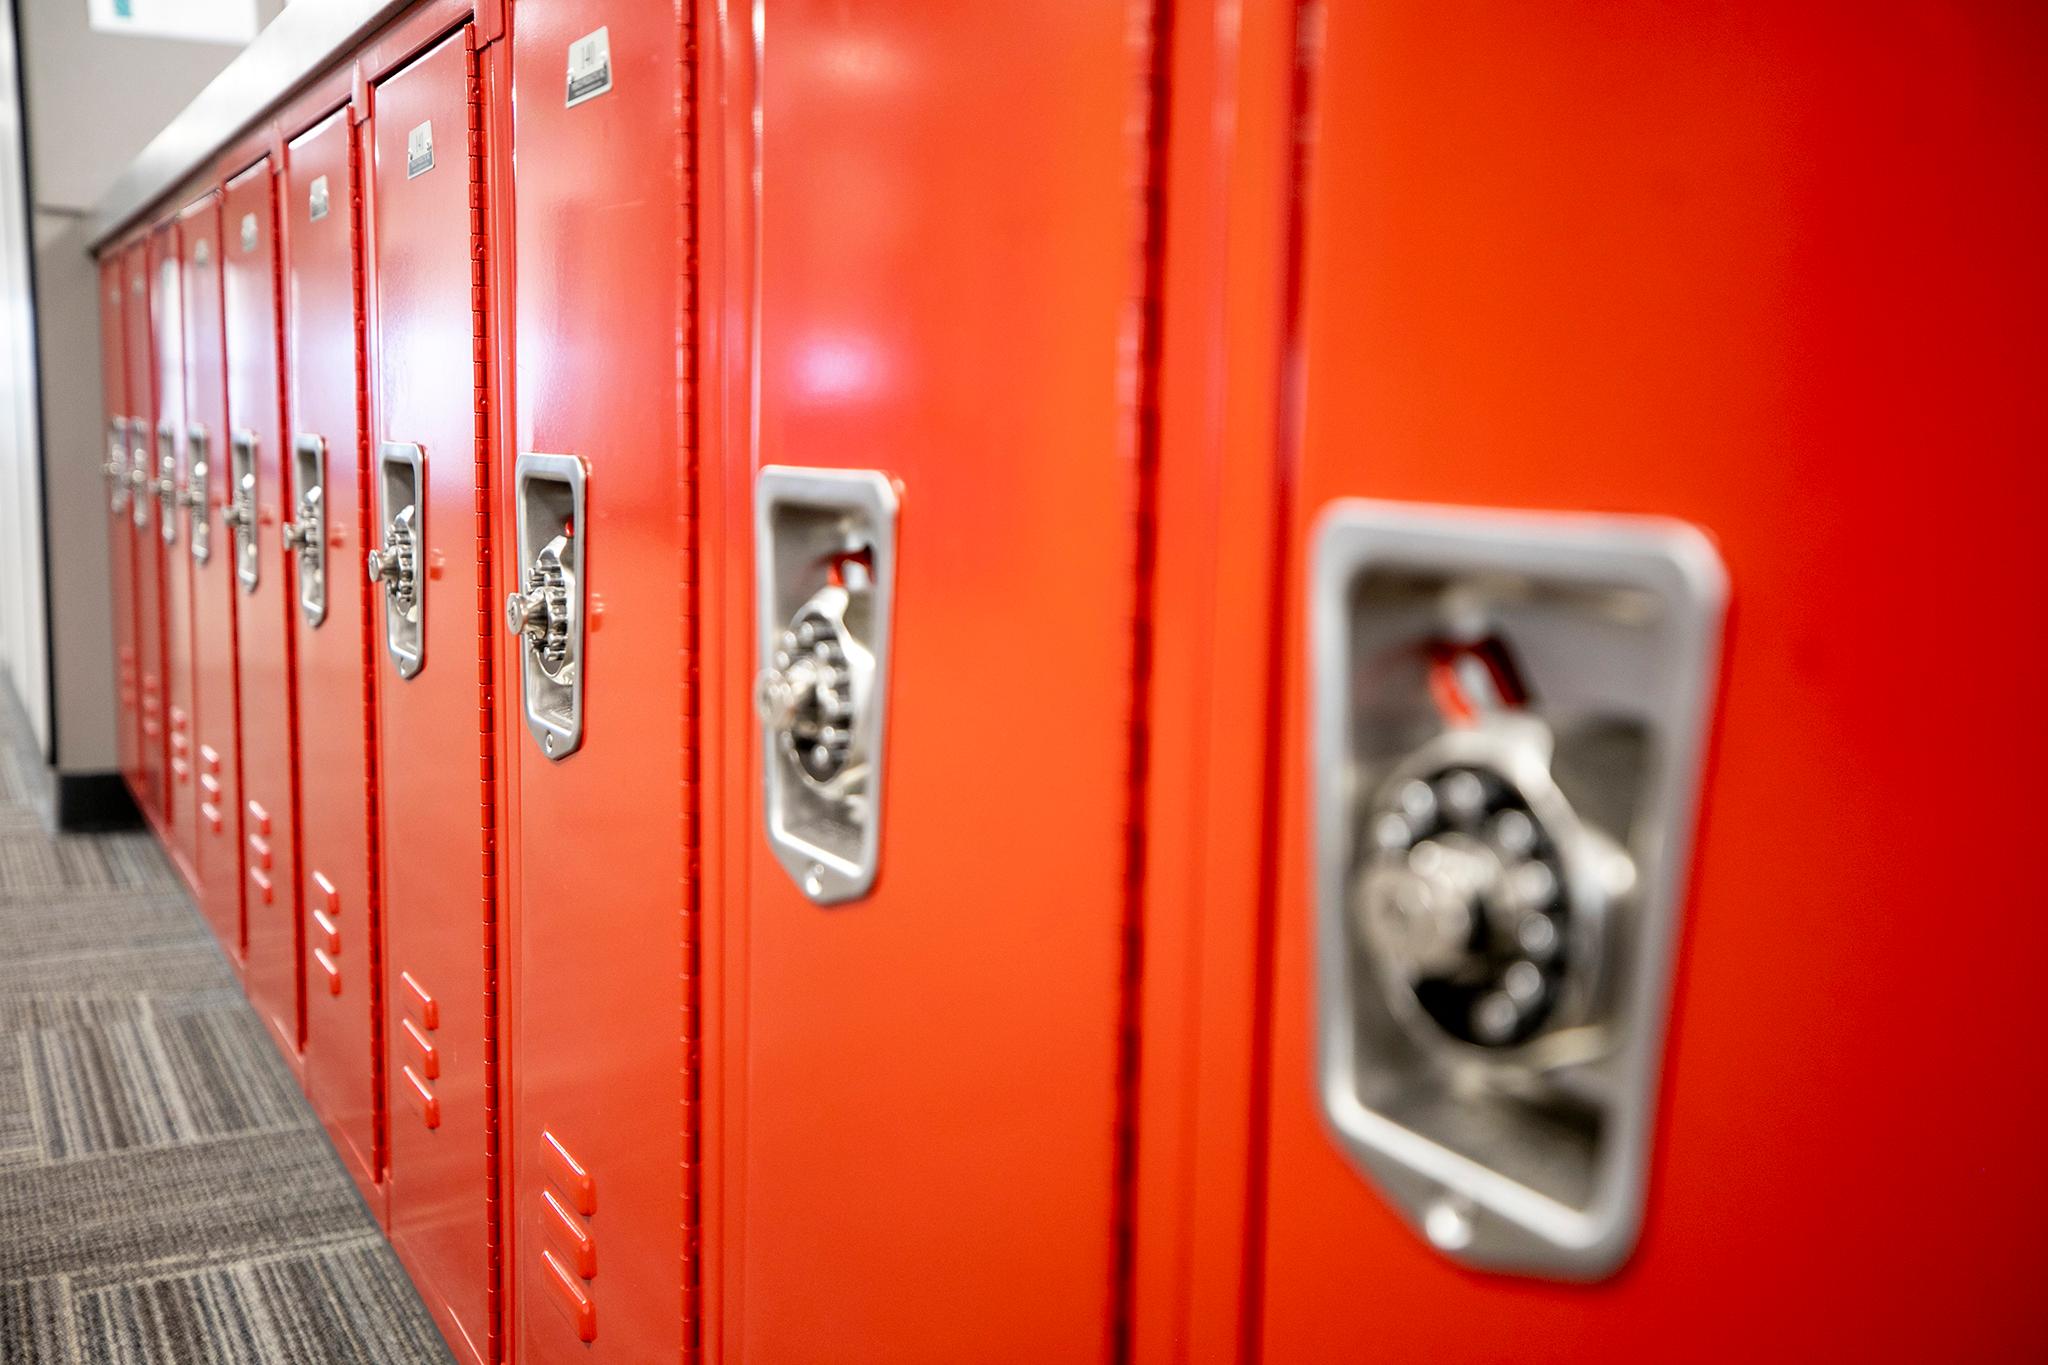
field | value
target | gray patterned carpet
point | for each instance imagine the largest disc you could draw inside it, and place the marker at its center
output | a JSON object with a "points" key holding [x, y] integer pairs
{"points": [[165, 1193]]}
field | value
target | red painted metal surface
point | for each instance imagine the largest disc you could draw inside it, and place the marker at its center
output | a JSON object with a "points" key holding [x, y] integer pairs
{"points": [[1209, 801], [147, 779], [180, 812], [1773, 270], [427, 332], [951, 273], [273, 970], [216, 744], [174, 582], [603, 1036], [322, 305], [114, 406]]}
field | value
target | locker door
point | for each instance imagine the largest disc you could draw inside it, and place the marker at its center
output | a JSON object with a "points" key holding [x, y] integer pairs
{"points": [[167, 324], [344, 1046], [952, 286], [142, 512], [604, 1170], [216, 761], [254, 464], [1775, 274], [120, 527], [432, 625]]}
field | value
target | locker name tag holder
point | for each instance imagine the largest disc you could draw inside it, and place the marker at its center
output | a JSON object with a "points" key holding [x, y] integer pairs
{"points": [[394, 566], [316, 199], [825, 568], [1508, 711], [248, 233], [419, 150], [546, 613], [590, 67]]}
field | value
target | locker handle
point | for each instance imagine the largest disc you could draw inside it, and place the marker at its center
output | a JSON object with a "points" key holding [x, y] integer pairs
{"points": [[825, 569]]}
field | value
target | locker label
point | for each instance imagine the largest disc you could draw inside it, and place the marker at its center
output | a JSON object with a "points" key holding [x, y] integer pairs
{"points": [[316, 199], [419, 150], [248, 232], [590, 67]]}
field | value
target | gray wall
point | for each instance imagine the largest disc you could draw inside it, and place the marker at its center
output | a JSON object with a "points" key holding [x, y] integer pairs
{"points": [[93, 101]]}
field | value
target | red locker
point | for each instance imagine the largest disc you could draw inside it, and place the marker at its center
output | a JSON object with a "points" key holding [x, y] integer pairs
{"points": [[216, 761], [167, 325], [1773, 272], [258, 496], [433, 629], [953, 297], [344, 1052], [140, 365], [114, 403], [602, 774]]}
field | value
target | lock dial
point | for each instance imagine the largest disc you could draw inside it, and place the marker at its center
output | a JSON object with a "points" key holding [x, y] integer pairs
{"points": [[542, 613], [396, 566], [1468, 901], [811, 692]]}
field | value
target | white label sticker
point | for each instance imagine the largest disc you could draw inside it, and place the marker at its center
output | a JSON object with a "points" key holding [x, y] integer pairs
{"points": [[590, 67], [419, 150], [316, 199], [248, 232], [201, 252]]}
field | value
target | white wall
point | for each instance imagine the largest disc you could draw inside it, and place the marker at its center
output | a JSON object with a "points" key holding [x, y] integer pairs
{"points": [[93, 101], [24, 648]]}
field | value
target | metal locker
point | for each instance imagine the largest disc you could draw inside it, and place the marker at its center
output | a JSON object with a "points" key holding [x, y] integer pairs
{"points": [[325, 535], [1549, 1077], [953, 303], [115, 469], [433, 628], [168, 487], [252, 452], [140, 366], [209, 557], [597, 515]]}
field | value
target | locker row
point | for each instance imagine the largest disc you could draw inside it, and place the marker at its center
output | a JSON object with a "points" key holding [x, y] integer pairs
{"points": [[1180, 682]]}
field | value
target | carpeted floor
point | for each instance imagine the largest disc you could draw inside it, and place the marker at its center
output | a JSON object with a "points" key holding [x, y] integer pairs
{"points": [[165, 1193]]}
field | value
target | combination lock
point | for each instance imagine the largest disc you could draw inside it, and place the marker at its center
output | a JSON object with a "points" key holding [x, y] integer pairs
{"points": [[1487, 900], [541, 614], [816, 689]]}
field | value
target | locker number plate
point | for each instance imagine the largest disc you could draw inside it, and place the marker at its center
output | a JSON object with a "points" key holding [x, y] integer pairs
{"points": [[590, 67]]}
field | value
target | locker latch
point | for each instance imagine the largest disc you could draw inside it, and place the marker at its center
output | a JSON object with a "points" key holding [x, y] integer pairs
{"points": [[546, 613], [396, 565], [168, 494], [825, 564], [116, 467], [239, 516], [1507, 719], [198, 472], [305, 533], [140, 484]]}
